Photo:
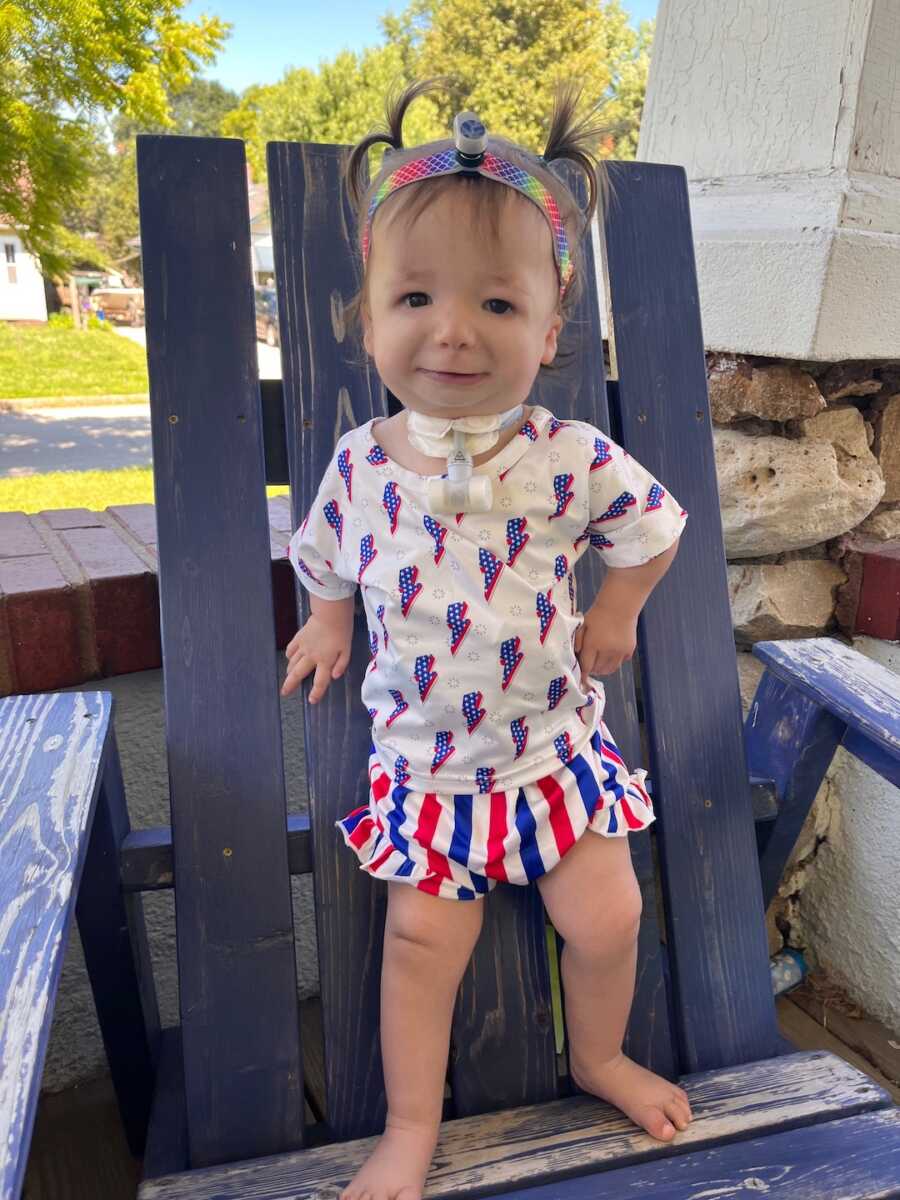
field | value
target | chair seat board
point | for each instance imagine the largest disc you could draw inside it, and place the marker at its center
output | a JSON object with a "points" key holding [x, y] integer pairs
{"points": [[863, 693], [857, 1158], [716, 936], [237, 972], [540, 1143], [52, 755]]}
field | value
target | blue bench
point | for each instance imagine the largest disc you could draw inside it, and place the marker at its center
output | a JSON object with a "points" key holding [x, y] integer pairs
{"points": [[228, 1116]]}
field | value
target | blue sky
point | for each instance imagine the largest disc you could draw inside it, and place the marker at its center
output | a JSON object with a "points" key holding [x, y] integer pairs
{"points": [[268, 38]]}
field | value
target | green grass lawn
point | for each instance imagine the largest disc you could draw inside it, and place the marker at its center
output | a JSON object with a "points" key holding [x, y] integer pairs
{"points": [[38, 361], [95, 490]]}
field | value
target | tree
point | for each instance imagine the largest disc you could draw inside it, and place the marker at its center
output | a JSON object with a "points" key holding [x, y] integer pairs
{"points": [[504, 57], [61, 61]]}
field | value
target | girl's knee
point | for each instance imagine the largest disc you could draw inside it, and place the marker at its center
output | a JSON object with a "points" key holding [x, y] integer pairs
{"points": [[611, 931], [429, 926]]}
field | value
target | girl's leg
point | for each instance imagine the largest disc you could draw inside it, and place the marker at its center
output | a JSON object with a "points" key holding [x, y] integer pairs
{"points": [[427, 944], [594, 901]]}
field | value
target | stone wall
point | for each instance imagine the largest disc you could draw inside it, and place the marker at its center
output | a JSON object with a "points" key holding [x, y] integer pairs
{"points": [[808, 459]]}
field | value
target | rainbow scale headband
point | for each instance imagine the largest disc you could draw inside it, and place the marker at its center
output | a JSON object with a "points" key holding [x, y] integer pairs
{"points": [[471, 156]]}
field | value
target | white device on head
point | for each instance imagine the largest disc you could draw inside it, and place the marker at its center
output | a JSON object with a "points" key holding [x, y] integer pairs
{"points": [[458, 438]]}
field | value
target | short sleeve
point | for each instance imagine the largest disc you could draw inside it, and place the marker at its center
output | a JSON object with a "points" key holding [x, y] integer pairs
{"points": [[316, 550], [633, 518]]}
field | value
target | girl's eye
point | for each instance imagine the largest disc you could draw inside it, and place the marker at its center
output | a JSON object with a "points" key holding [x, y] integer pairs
{"points": [[410, 296], [507, 306]]}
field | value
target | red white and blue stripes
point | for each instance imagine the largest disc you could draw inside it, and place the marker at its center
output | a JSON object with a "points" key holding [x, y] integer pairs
{"points": [[459, 846]]}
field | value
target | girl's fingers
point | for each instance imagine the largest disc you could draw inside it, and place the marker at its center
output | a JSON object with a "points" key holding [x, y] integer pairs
{"points": [[320, 683], [341, 664]]}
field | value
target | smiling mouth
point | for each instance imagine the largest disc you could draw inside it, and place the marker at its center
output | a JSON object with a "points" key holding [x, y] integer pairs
{"points": [[460, 375]]}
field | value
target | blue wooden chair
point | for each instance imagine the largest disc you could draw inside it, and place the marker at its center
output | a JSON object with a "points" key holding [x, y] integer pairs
{"points": [[226, 1087]]}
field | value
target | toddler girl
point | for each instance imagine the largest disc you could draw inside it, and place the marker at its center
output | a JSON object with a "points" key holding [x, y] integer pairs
{"points": [[490, 760]]}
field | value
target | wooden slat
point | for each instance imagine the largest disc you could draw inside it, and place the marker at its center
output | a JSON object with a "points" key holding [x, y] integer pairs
{"points": [[242, 1068], [53, 752], [326, 392], [863, 693], [147, 864], [854, 1159], [790, 737], [167, 1138], [540, 1143], [715, 919], [117, 957]]}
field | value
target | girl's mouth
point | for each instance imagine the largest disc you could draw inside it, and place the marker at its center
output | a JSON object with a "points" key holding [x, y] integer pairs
{"points": [[453, 377]]}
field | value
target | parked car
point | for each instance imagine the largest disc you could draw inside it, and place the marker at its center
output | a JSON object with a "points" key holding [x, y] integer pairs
{"points": [[267, 316], [123, 305]]}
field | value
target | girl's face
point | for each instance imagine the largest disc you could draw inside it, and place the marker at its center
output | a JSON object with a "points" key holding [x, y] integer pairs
{"points": [[459, 323]]}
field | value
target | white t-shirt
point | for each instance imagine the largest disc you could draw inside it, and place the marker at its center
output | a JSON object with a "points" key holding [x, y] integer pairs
{"points": [[474, 685]]}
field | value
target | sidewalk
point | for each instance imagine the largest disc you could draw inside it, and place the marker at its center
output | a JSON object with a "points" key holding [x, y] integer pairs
{"points": [[29, 402]]}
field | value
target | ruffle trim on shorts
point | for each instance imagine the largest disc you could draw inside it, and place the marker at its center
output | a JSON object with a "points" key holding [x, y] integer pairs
{"points": [[460, 846]]}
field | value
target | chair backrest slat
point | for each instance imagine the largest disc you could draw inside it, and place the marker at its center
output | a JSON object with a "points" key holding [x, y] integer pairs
{"points": [[717, 946], [326, 393], [237, 974]]}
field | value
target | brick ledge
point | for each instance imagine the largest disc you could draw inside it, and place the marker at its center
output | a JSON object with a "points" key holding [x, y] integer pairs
{"points": [[79, 597]]}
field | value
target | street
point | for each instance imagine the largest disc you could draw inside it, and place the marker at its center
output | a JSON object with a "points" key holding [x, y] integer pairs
{"points": [[91, 438]]}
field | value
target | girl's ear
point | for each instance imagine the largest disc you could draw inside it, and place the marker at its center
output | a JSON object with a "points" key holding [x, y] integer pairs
{"points": [[550, 343]]}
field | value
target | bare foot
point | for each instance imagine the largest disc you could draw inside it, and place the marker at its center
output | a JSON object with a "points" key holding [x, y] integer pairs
{"points": [[396, 1168], [651, 1101]]}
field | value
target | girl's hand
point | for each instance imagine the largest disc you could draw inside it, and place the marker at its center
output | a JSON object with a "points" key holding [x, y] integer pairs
{"points": [[605, 639], [319, 646]]}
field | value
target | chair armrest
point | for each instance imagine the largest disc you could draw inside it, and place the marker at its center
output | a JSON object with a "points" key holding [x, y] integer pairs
{"points": [[861, 693], [52, 754]]}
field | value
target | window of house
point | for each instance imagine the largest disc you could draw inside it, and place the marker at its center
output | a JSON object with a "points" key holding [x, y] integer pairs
{"points": [[10, 248]]}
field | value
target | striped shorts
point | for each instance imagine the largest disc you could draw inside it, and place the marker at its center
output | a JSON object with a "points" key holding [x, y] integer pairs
{"points": [[459, 846]]}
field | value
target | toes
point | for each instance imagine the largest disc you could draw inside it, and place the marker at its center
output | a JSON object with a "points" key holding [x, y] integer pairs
{"points": [[675, 1111]]}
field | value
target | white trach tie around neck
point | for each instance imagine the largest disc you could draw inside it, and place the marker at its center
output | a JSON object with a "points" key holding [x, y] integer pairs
{"points": [[434, 435]]}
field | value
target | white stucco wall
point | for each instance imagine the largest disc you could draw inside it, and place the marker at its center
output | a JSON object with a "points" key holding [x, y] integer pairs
{"points": [[786, 118], [24, 299]]}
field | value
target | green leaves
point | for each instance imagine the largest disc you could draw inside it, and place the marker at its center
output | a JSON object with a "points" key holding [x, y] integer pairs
{"points": [[62, 62]]}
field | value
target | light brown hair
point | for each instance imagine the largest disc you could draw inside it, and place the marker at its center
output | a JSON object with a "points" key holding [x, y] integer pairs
{"points": [[569, 137]]}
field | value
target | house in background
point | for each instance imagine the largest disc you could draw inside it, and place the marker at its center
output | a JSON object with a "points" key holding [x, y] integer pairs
{"points": [[21, 282]]}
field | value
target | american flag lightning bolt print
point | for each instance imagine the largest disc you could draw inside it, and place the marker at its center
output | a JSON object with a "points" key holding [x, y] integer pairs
{"points": [[424, 674], [458, 623], [546, 611], [345, 468], [391, 502], [443, 749], [400, 706], [562, 487], [516, 537], [519, 731], [556, 691], [472, 710], [335, 519], [490, 567], [439, 533], [376, 456], [602, 455], [410, 588], [618, 508], [510, 658], [367, 554]]}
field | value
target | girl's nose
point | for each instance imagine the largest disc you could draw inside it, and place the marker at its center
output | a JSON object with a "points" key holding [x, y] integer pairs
{"points": [[454, 327]]}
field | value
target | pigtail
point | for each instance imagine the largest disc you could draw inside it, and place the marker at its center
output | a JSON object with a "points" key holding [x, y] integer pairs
{"points": [[577, 140], [395, 109]]}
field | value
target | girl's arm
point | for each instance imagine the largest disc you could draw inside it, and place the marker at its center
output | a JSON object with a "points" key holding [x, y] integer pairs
{"points": [[625, 590], [608, 634]]}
